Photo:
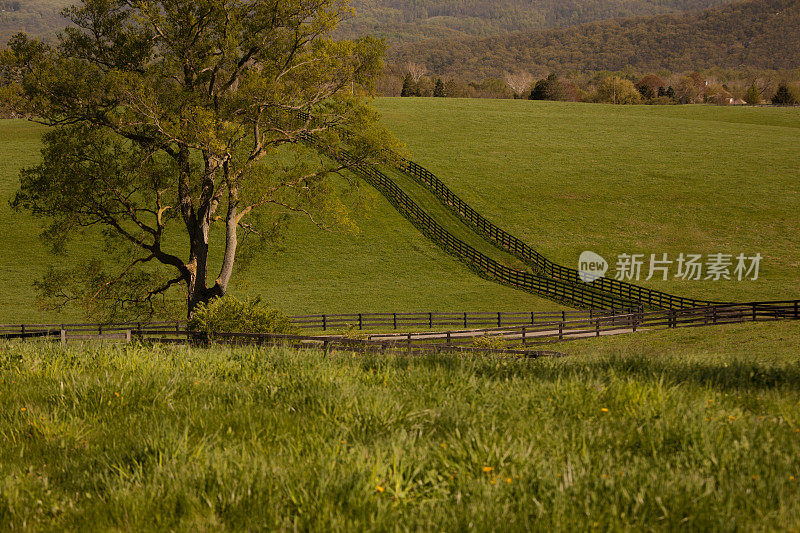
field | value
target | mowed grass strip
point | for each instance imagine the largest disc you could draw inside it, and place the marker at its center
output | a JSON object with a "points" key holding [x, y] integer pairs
{"points": [[663, 430], [569, 177]]}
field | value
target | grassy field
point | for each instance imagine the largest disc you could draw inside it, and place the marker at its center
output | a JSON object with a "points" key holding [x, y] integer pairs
{"points": [[387, 266], [689, 429], [623, 179], [563, 177]]}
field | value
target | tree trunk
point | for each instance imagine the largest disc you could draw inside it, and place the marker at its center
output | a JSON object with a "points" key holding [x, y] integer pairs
{"points": [[197, 292]]}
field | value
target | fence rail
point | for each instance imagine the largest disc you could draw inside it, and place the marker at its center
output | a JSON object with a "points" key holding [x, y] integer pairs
{"points": [[331, 322], [596, 326], [513, 339]]}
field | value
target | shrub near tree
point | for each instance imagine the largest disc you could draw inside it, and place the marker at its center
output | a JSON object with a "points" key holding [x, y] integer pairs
{"points": [[753, 95], [651, 86], [231, 315], [783, 96], [616, 90], [438, 89], [410, 87]]}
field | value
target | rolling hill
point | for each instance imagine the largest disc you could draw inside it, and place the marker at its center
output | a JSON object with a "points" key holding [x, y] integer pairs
{"points": [[562, 177], [759, 34], [411, 20], [408, 20]]}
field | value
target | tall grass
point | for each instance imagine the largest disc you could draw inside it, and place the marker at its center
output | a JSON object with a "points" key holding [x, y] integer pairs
{"points": [[620, 434]]}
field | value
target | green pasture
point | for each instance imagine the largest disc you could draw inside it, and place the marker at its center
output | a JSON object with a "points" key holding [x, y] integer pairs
{"points": [[387, 266], [563, 177], [667, 430], [623, 179]]}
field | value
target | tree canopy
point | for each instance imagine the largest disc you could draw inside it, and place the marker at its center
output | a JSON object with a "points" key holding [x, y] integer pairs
{"points": [[173, 120]]}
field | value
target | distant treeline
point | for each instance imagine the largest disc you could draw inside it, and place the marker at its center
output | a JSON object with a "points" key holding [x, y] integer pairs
{"points": [[408, 21], [763, 34], [720, 87]]}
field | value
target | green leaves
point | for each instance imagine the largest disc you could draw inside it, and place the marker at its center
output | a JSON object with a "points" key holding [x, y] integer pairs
{"points": [[178, 106]]}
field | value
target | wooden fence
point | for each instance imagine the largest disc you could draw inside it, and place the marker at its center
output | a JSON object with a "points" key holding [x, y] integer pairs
{"points": [[631, 293], [512, 339], [608, 324], [322, 322], [575, 294]]}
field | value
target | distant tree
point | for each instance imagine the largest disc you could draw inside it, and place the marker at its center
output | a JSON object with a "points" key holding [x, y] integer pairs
{"points": [[452, 89], [519, 82], [688, 92], [548, 88], [415, 70], [783, 96], [651, 86], [616, 90], [438, 90], [753, 95], [670, 92], [491, 88], [410, 87]]}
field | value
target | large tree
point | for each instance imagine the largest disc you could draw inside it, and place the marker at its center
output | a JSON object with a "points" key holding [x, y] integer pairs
{"points": [[173, 120]]}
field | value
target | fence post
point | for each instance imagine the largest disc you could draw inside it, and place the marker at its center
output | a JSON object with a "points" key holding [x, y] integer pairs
{"points": [[563, 316], [754, 312], [100, 329], [561, 331], [394, 320], [127, 336], [63, 335], [324, 323], [533, 317], [408, 344], [465, 320], [430, 320], [524, 334], [360, 321], [448, 338]]}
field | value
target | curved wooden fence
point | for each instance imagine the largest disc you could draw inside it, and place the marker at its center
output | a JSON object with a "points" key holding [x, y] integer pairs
{"points": [[631, 293], [573, 294]]}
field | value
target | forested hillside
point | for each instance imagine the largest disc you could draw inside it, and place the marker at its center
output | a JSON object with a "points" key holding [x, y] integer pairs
{"points": [[409, 20], [759, 34], [36, 17]]}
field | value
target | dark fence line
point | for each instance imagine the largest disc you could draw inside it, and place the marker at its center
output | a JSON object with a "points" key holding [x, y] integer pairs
{"points": [[586, 327], [512, 340], [326, 322], [632, 293], [576, 295]]}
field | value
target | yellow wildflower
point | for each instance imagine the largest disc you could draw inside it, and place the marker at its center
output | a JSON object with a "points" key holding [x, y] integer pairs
{"points": [[379, 488], [488, 468]]}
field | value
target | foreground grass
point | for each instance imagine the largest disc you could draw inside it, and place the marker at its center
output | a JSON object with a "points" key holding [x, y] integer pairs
{"points": [[671, 430]]}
